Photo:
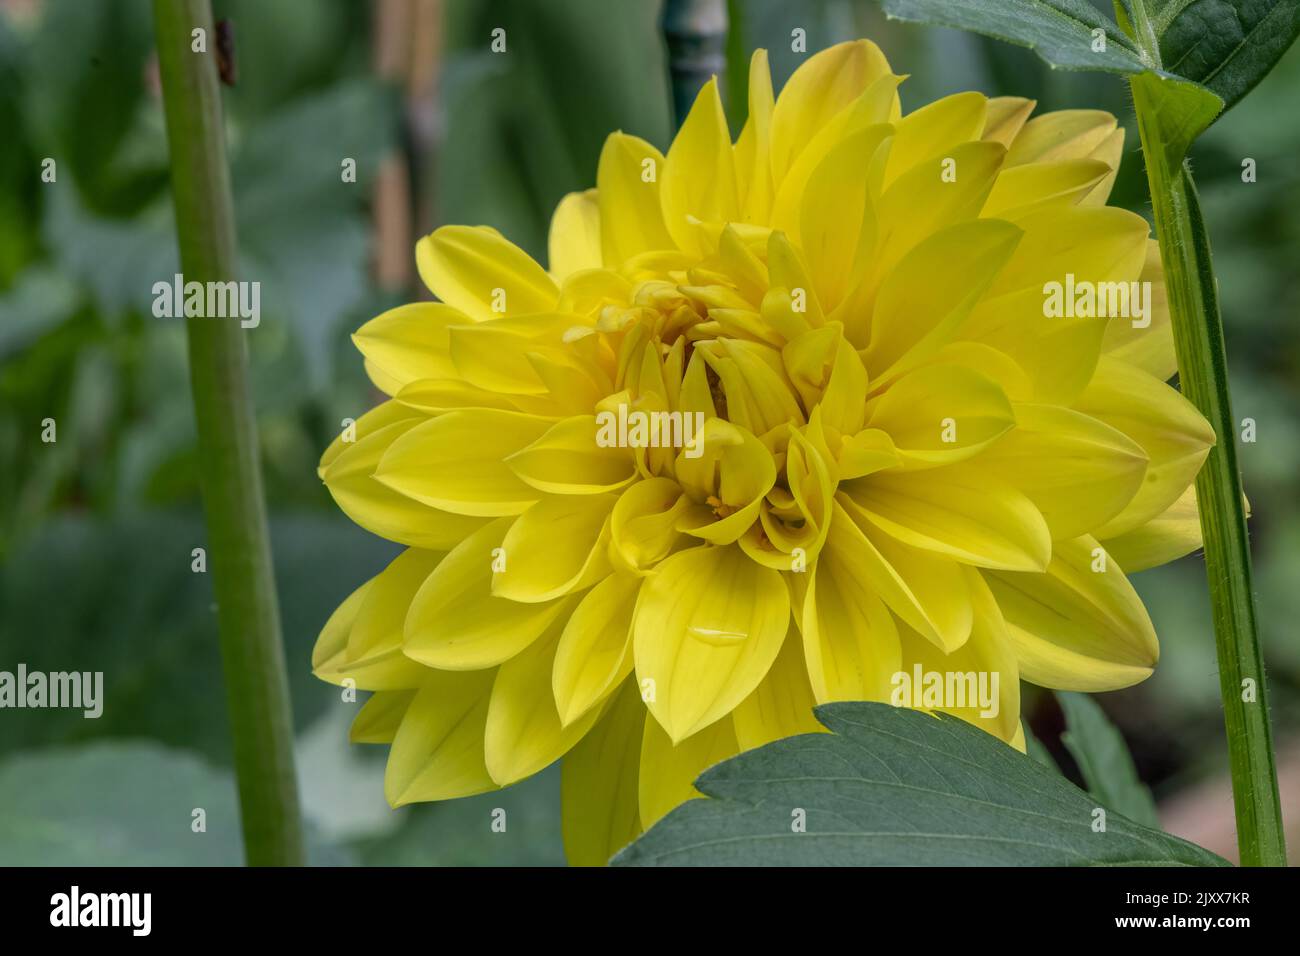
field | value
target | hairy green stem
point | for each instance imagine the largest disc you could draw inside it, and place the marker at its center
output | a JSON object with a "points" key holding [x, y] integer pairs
{"points": [[1203, 376], [257, 692]]}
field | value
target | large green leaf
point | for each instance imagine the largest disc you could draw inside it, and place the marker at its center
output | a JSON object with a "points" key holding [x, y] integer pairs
{"points": [[1103, 758], [1060, 31], [1226, 45], [896, 787]]}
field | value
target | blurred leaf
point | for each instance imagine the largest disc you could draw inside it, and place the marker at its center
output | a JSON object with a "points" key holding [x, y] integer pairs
{"points": [[1034, 748], [41, 299], [459, 832], [285, 49], [526, 126], [1186, 683], [341, 784], [123, 803], [18, 166], [86, 73], [303, 232], [1103, 759], [118, 260], [896, 787], [119, 596]]}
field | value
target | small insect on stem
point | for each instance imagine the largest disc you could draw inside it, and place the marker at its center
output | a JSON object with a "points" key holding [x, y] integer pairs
{"points": [[227, 68]]}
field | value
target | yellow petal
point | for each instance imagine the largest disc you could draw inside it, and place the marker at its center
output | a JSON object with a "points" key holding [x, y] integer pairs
{"points": [[595, 651], [498, 354], [699, 178], [438, 749], [957, 513], [1167, 426], [554, 548], [1169, 535], [456, 462], [627, 193], [669, 771], [808, 478], [598, 789], [386, 669], [574, 240], [408, 343], [736, 470], [1031, 188], [456, 623], [1095, 246], [928, 591], [1078, 471], [378, 508], [374, 655], [836, 227], [823, 85], [742, 266], [643, 525], [477, 270], [811, 359], [1150, 343], [789, 275], [1110, 151], [865, 453], [379, 717], [850, 640], [754, 151], [1005, 118], [573, 457], [1076, 628], [934, 131], [939, 415], [981, 679], [433, 396], [782, 705], [709, 622], [915, 315], [524, 733], [920, 202], [759, 396], [1063, 134], [379, 417], [990, 362], [332, 642]]}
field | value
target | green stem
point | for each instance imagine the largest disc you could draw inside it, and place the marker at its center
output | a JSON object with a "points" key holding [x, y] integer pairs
{"points": [[257, 692], [1203, 376]]}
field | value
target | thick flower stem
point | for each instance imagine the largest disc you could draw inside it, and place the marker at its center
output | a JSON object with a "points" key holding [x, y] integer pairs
{"points": [[257, 691], [1203, 375]]}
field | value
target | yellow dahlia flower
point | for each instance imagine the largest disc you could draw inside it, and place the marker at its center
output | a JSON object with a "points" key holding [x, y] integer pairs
{"points": [[909, 460]]}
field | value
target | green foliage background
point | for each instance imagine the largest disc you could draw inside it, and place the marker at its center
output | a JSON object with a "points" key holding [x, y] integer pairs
{"points": [[96, 530]]}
